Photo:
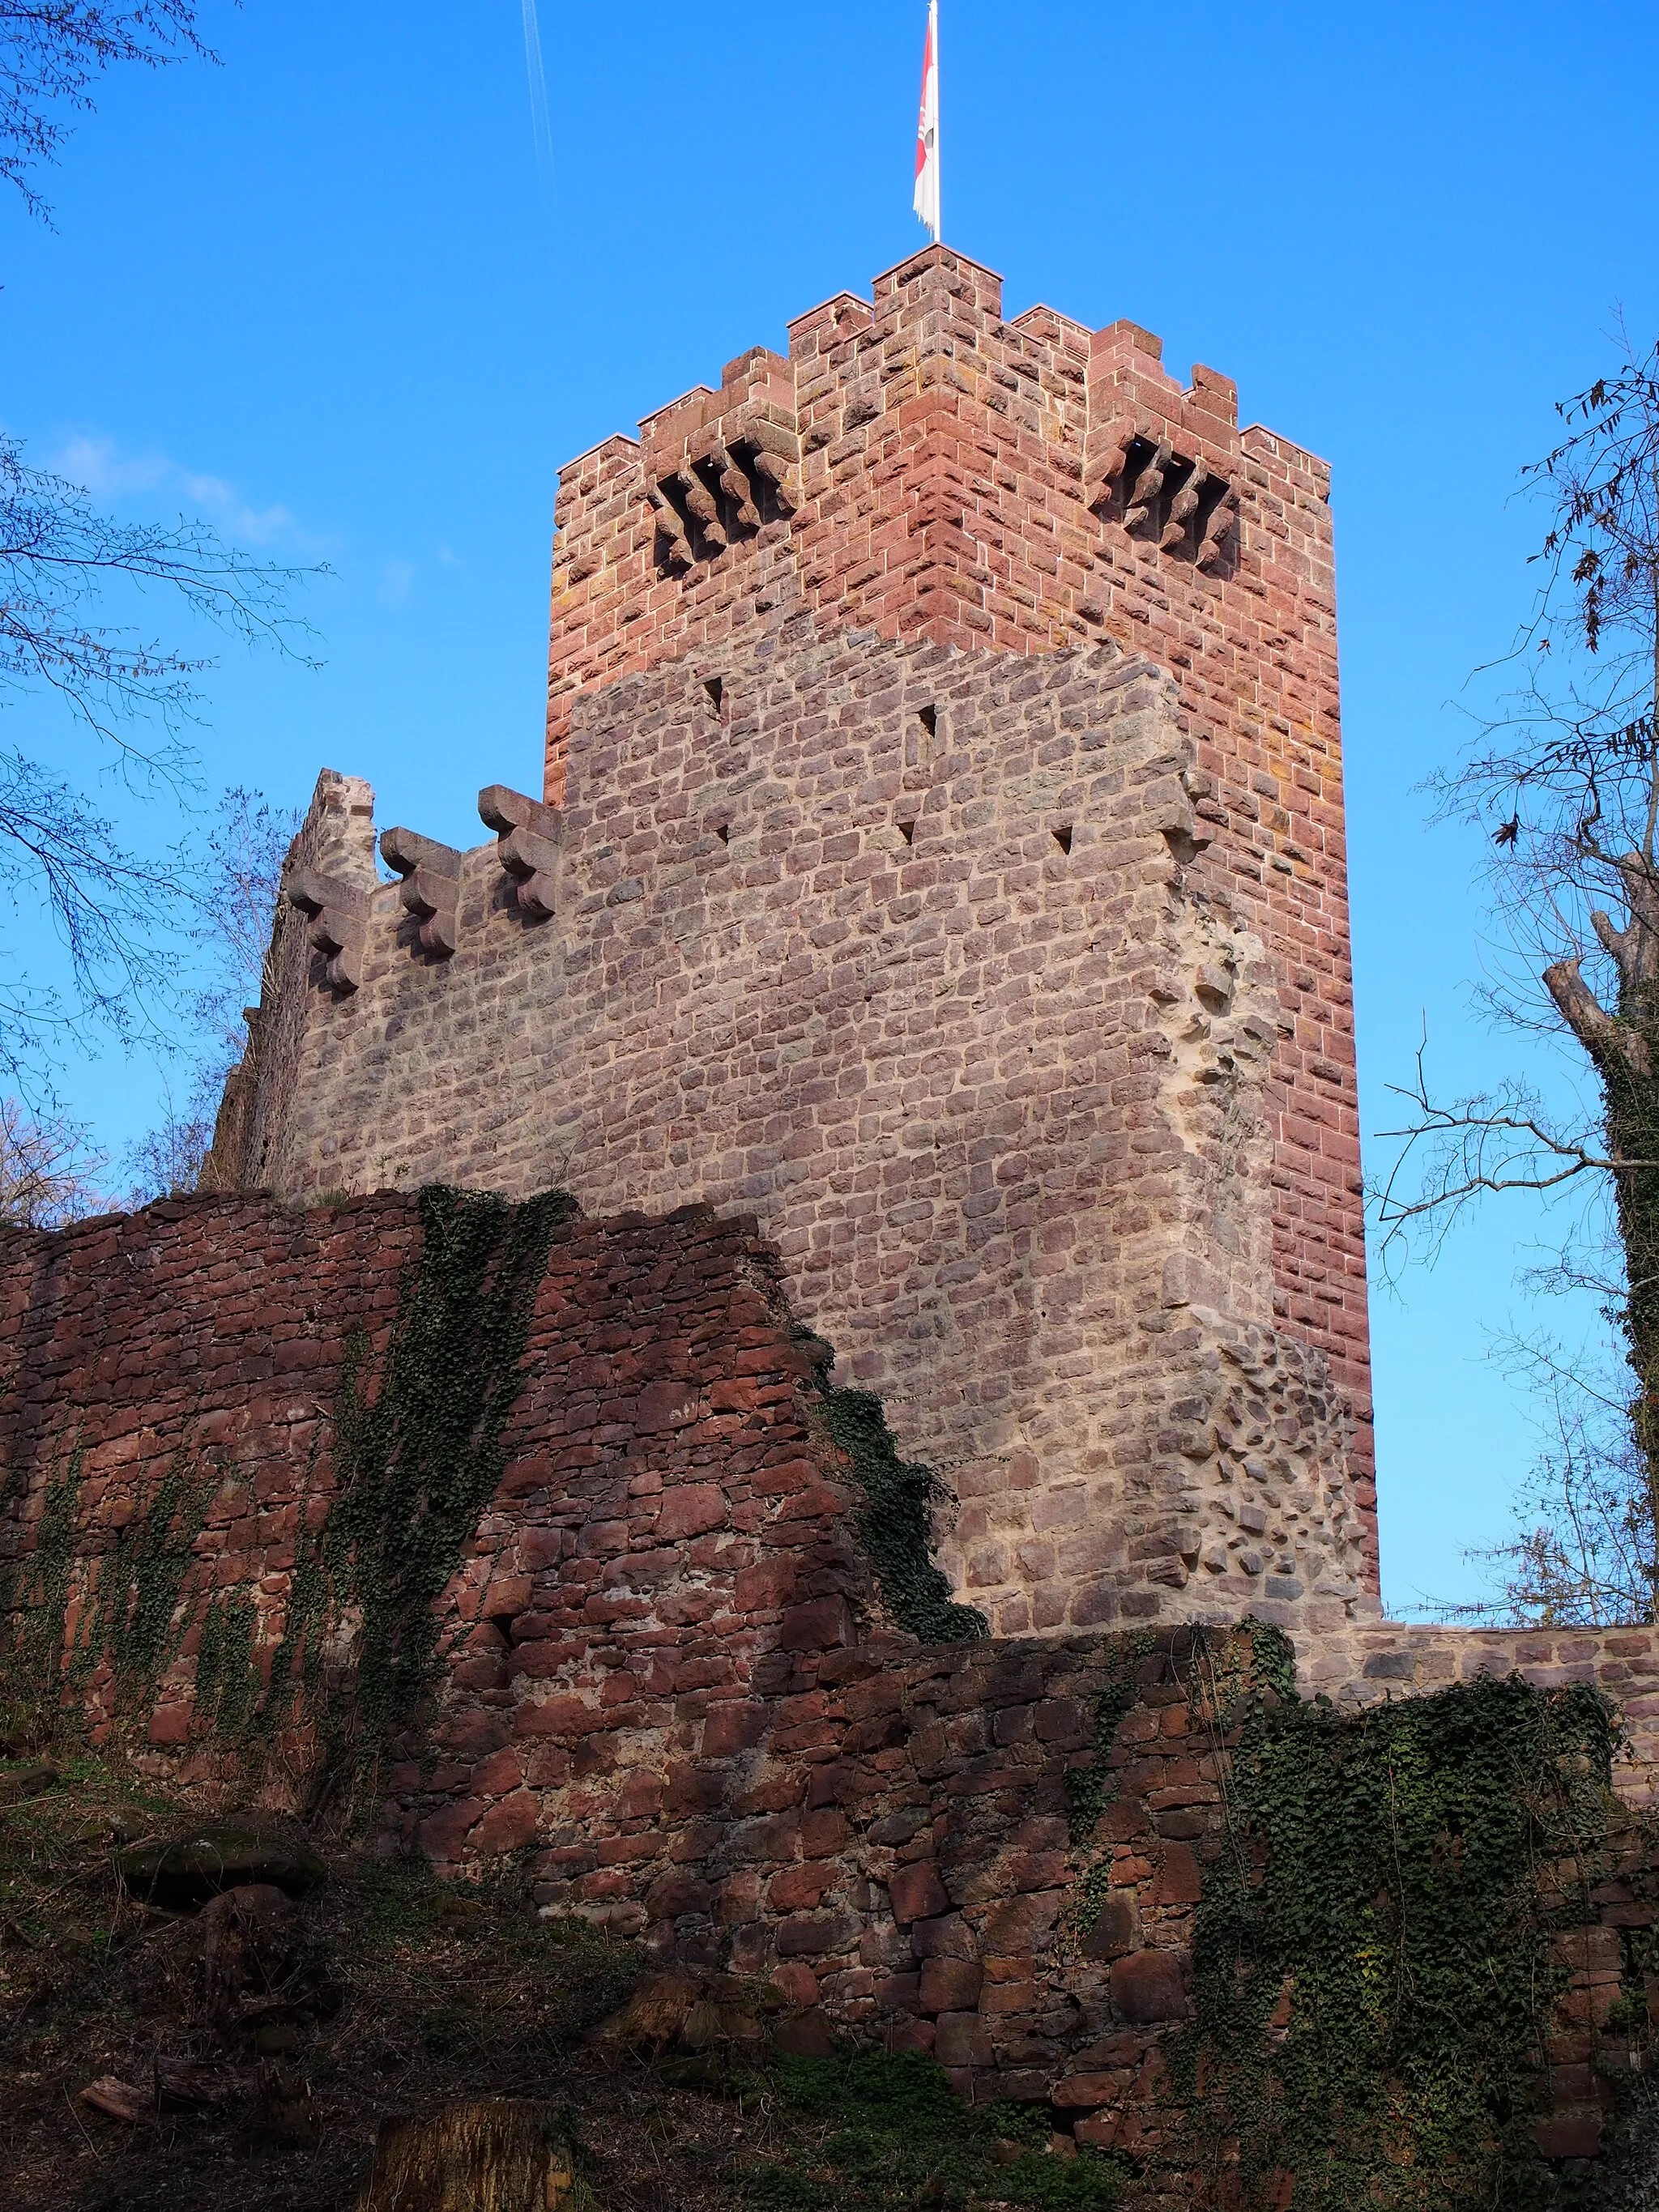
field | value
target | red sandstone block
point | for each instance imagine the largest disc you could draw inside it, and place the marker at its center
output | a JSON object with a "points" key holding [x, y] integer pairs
{"points": [[508, 1826], [497, 1776], [950, 1985], [1179, 1881], [1021, 1924], [559, 1714], [443, 1834], [810, 1935], [917, 1893], [963, 2040], [1149, 1986], [823, 1833], [1085, 2092], [734, 1728], [800, 1888], [681, 1891], [821, 1625]]}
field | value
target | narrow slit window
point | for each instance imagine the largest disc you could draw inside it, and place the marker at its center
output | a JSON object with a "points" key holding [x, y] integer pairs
{"points": [[1063, 836], [723, 831], [907, 831], [928, 717], [715, 689]]}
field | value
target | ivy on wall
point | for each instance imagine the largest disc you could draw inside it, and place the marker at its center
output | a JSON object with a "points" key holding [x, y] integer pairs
{"points": [[134, 1613], [137, 1617], [895, 1522], [419, 1455], [1091, 1786], [1371, 1960], [228, 1685], [418, 1452], [37, 1597]]}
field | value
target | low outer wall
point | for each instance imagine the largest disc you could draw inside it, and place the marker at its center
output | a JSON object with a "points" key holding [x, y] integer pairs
{"points": [[197, 1351], [1403, 1659], [667, 1672], [994, 1853]]}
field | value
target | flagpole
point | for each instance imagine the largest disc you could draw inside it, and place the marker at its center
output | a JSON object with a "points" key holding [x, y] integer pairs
{"points": [[939, 195], [926, 194]]}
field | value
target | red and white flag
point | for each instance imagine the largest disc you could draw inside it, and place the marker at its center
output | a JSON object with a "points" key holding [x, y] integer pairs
{"points": [[926, 200]]}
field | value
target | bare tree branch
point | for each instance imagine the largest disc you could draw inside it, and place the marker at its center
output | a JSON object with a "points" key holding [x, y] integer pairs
{"points": [[65, 568], [1565, 779], [50, 55], [49, 1171]]}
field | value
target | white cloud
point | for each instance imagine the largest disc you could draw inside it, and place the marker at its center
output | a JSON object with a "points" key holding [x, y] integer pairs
{"points": [[107, 473]]}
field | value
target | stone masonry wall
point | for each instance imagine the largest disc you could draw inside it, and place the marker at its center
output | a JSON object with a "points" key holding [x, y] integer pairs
{"points": [[913, 953], [1377, 1659], [887, 1836], [939, 473], [669, 1673], [210, 1336]]}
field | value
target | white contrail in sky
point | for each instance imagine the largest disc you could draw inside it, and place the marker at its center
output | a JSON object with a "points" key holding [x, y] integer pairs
{"points": [[533, 59]]}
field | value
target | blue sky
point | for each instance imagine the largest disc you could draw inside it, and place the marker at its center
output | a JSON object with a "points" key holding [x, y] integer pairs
{"points": [[328, 297]]}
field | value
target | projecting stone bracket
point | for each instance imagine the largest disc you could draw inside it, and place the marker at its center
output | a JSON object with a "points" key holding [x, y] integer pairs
{"points": [[727, 492], [526, 846], [338, 914], [1178, 503], [431, 886]]}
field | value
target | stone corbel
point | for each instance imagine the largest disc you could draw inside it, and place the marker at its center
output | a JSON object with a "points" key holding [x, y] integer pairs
{"points": [[431, 886], [701, 503], [671, 529], [1107, 451], [735, 485], [1218, 529], [526, 845], [775, 458], [339, 914], [1182, 507], [1147, 485]]}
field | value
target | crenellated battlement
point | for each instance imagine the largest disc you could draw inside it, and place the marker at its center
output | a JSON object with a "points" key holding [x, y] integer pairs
{"points": [[916, 466]]}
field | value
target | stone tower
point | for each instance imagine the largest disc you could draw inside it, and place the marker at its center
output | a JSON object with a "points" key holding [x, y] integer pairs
{"points": [[940, 859]]}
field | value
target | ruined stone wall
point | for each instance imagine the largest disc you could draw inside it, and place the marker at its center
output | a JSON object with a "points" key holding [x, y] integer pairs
{"points": [[890, 1836], [669, 1671], [917, 954], [206, 1340], [1373, 1660], [1022, 487]]}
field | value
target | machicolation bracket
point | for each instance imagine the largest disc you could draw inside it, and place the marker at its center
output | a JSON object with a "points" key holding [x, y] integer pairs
{"points": [[1179, 503], [431, 888], [526, 846], [338, 913]]}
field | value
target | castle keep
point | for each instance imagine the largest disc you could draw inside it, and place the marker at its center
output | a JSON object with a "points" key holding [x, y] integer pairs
{"points": [[785, 1338], [940, 861]]}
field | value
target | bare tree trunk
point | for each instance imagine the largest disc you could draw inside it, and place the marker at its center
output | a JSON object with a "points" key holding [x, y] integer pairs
{"points": [[1632, 1122], [1624, 1047], [499, 2155]]}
